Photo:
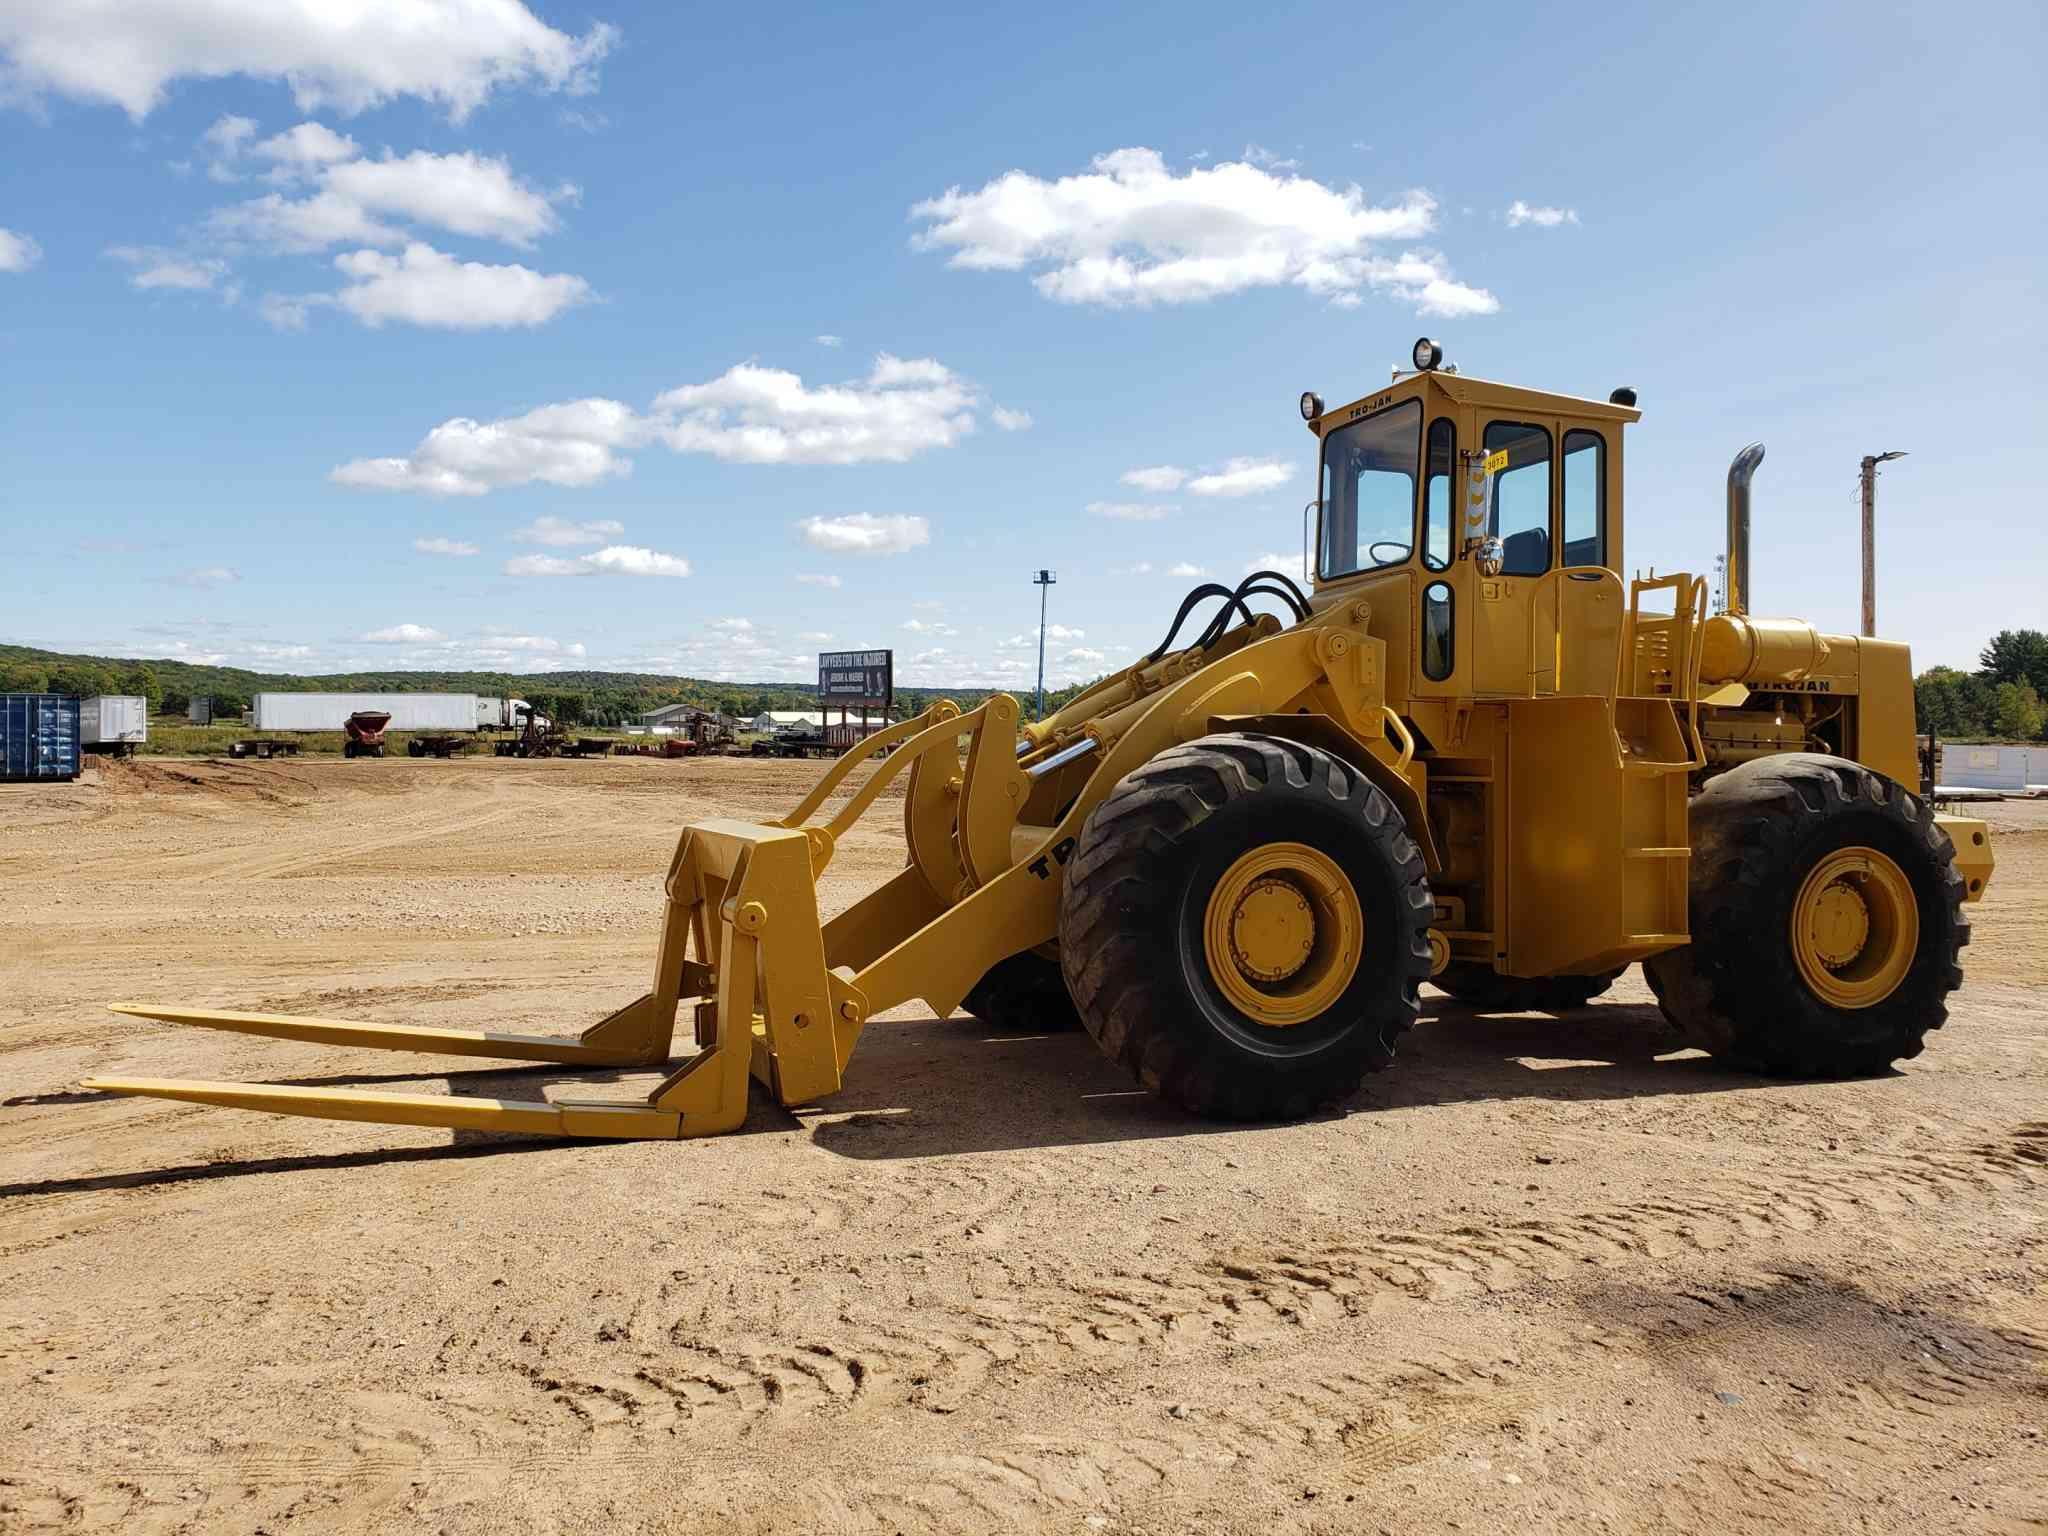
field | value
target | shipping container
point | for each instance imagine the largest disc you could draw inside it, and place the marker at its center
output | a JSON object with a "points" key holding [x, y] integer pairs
{"points": [[326, 711], [1966, 765], [200, 709], [113, 725], [38, 736]]}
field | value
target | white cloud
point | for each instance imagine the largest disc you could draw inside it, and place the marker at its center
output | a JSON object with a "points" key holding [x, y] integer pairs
{"points": [[1158, 479], [1520, 213], [229, 134], [453, 53], [1265, 159], [282, 311], [205, 578], [749, 414], [465, 193], [1142, 568], [445, 547], [632, 560], [812, 579], [815, 635], [1009, 420], [1131, 231], [1131, 511], [403, 634], [561, 533], [756, 415], [573, 444], [861, 533], [1286, 565], [740, 626], [920, 627], [1082, 653], [306, 147], [17, 251], [158, 268], [619, 559], [829, 340], [426, 287], [1242, 477], [1186, 568]]}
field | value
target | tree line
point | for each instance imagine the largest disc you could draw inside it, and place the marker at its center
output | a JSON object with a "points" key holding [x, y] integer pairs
{"points": [[592, 699], [2001, 700]]}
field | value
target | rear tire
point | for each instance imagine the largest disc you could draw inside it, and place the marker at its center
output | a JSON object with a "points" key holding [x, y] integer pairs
{"points": [[1827, 921], [1025, 993], [1140, 934], [1482, 987]]}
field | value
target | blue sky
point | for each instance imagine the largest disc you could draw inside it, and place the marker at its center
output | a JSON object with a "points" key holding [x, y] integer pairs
{"points": [[291, 317]]}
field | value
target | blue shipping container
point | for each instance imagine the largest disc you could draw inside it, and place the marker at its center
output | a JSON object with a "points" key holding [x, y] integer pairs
{"points": [[38, 736]]}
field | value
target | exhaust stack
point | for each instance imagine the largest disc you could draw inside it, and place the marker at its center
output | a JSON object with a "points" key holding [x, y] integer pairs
{"points": [[1740, 473]]}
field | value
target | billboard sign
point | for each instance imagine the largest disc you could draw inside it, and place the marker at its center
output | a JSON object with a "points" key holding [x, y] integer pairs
{"points": [[857, 680]]}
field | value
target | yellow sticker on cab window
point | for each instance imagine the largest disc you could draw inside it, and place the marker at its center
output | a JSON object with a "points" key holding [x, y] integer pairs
{"points": [[1496, 462]]}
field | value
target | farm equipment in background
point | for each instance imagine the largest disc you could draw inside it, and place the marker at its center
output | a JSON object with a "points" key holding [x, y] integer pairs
{"points": [[364, 731], [1471, 752], [264, 747], [538, 736]]}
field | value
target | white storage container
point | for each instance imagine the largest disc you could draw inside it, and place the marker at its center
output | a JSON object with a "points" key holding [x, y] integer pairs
{"points": [[113, 720], [1968, 766], [440, 712]]}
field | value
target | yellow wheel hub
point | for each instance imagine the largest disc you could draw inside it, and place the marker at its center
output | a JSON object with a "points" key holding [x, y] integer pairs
{"points": [[1855, 928], [1283, 933]]}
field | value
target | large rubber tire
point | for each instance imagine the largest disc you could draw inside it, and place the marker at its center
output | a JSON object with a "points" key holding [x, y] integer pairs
{"points": [[1025, 993], [1132, 908], [1737, 989], [1482, 987]]}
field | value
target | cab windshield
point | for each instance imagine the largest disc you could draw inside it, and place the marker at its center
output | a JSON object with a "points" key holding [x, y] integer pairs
{"points": [[1369, 470]]}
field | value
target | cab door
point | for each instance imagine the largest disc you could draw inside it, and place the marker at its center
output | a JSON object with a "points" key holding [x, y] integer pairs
{"points": [[1521, 514]]}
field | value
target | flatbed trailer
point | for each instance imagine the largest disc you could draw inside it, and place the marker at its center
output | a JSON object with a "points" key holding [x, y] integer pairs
{"points": [[436, 746]]}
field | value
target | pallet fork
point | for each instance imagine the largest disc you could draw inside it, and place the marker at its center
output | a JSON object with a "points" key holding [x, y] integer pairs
{"points": [[774, 994]]}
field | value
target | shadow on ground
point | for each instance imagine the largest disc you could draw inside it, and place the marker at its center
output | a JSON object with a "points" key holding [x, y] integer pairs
{"points": [[922, 1088], [933, 1087]]}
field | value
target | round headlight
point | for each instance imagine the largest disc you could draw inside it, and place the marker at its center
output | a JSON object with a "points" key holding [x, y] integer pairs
{"points": [[1311, 405], [1427, 354]]}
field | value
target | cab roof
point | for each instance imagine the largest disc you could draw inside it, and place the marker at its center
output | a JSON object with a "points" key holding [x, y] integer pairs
{"points": [[1463, 389]]}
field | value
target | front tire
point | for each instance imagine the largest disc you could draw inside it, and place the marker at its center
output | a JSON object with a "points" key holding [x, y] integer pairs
{"points": [[1244, 927], [1827, 921]]}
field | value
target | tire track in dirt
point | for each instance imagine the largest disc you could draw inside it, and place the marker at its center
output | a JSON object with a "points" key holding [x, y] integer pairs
{"points": [[944, 1352]]}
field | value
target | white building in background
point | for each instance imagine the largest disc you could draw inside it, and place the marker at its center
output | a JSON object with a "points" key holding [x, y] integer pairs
{"points": [[782, 721]]}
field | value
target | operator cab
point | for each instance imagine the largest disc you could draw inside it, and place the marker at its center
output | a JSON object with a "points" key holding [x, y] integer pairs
{"points": [[1452, 497]]}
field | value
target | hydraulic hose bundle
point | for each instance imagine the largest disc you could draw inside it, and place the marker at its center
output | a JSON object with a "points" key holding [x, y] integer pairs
{"points": [[1236, 600]]}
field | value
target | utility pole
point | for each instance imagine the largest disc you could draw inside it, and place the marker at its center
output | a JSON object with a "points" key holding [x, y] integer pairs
{"points": [[1870, 463], [1044, 581]]}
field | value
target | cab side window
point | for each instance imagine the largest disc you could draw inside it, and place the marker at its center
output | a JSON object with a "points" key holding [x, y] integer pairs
{"points": [[1436, 494], [1520, 514], [1585, 498]]}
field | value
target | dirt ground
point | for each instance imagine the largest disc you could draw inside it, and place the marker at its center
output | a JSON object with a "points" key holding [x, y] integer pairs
{"points": [[1547, 1273]]}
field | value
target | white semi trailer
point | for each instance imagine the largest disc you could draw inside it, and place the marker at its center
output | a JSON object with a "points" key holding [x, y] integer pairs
{"points": [[441, 713], [113, 724]]}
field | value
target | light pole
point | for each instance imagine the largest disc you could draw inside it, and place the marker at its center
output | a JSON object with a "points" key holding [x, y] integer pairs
{"points": [[1043, 581], [1870, 463]]}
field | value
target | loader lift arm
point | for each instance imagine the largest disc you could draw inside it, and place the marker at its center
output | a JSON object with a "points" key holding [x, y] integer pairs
{"points": [[779, 996]]}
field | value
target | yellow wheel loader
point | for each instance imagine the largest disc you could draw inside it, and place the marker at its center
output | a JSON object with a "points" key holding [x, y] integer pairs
{"points": [[1472, 751]]}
